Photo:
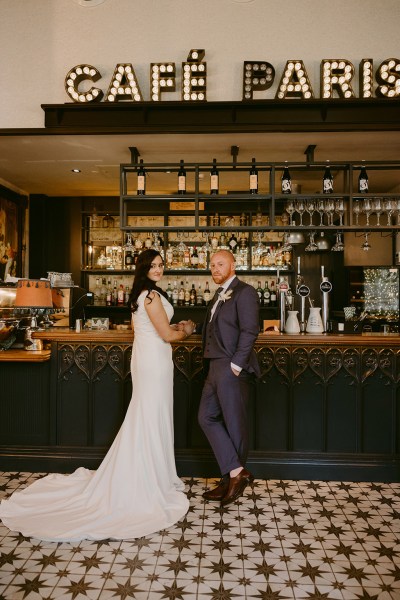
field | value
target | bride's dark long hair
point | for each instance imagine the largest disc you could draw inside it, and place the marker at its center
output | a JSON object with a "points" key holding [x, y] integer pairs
{"points": [[141, 281]]}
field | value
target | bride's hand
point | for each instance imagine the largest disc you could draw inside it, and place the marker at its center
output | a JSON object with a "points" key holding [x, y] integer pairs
{"points": [[189, 327]]}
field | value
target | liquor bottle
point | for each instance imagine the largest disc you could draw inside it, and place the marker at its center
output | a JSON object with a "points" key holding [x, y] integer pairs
{"points": [[97, 292], [103, 292], [363, 180], [199, 300], [273, 294], [141, 179], [169, 257], [181, 295], [186, 258], [193, 296], [120, 295], [194, 259], [253, 178], [266, 295], [109, 295], [286, 181], [327, 181], [182, 179], [187, 293], [169, 291], [127, 294], [128, 259], [260, 293], [207, 294], [233, 243], [202, 258], [214, 178], [115, 293], [175, 293]]}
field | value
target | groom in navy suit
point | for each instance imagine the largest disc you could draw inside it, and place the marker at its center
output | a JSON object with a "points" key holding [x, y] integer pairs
{"points": [[229, 333]]}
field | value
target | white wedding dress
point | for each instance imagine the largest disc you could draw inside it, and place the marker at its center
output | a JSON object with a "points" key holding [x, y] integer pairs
{"points": [[136, 490]]}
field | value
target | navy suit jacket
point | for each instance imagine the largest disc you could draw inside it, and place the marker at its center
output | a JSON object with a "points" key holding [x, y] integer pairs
{"points": [[236, 326]]}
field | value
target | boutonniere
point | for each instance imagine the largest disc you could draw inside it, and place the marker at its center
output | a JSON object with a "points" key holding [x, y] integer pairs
{"points": [[224, 296]]}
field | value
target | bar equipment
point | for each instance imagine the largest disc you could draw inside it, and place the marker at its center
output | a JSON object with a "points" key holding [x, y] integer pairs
{"points": [[326, 288], [34, 299], [303, 291], [282, 291]]}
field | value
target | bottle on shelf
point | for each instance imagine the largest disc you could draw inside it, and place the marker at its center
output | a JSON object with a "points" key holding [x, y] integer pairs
{"points": [[199, 300], [327, 180], [273, 294], [233, 243], [202, 258], [207, 294], [266, 295], [109, 295], [175, 293], [127, 294], [103, 292], [194, 259], [181, 295], [169, 257], [141, 179], [286, 180], [121, 295], [182, 178], [363, 180], [193, 296], [260, 293], [187, 293], [114, 294], [97, 292], [214, 178], [253, 178], [169, 292]]}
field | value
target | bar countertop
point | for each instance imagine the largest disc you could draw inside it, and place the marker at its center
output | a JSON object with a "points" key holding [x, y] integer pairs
{"points": [[20, 355], [65, 334]]}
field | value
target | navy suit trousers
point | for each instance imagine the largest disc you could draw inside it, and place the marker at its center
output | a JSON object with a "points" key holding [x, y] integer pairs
{"points": [[223, 414]]}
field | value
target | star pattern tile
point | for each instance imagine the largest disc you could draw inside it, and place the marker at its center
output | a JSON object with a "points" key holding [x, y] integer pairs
{"points": [[282, 540]]}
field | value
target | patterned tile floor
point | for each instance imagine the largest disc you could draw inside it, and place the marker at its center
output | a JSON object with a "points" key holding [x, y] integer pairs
{"points": [[281, 540]]}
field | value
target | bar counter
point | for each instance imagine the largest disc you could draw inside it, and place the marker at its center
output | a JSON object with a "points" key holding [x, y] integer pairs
{"points": [[325, 407]]}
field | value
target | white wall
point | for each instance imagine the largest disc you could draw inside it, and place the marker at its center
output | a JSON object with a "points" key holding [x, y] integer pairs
{"points": [[40, 40]]}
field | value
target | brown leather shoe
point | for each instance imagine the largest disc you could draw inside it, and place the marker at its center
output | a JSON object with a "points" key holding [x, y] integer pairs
{"points": [[219, 491], [237, 485]]}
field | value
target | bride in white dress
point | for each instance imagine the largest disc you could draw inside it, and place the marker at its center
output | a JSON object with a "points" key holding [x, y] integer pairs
{"points": [[136, 490]]}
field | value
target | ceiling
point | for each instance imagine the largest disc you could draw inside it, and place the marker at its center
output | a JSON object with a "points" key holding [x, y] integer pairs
{"points": [[42, 164]]}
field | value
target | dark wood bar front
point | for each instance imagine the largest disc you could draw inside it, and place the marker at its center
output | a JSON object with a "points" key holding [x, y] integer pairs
{"points": [[325, 407]]}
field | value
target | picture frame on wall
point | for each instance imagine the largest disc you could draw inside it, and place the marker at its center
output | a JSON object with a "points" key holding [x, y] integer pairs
{"points": [[12, 215]]}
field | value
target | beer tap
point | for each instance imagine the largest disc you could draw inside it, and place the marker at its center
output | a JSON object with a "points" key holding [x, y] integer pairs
{"points": [[282, 291], [303, 291], [326, 288]]}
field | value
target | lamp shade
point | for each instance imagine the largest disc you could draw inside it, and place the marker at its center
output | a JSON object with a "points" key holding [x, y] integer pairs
{"points": [[33, 293]]}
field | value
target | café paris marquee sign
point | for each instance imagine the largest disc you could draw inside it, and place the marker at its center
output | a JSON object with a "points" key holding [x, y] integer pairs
{"points": [[336, 77]]}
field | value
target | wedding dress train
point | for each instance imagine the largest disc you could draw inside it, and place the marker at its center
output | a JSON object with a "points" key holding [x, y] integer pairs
{"points": [[136, 490]]}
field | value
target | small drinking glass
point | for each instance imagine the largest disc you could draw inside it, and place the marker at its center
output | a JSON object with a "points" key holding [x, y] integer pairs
{"points": [[321, 210], [286, 246], [310, 208], [339, 209], [290, 209], [312, 246], [388, 208], [300, 208], [366, 245], [338, 245], [367, 209], [357, 209], [330, 209], [377, 208]]}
